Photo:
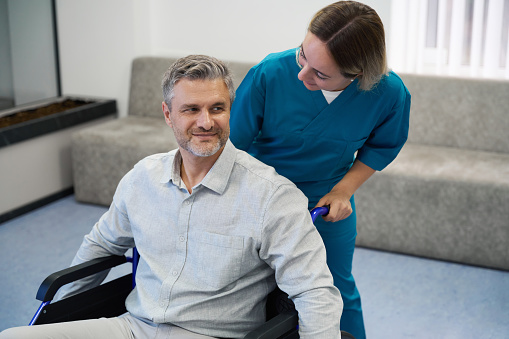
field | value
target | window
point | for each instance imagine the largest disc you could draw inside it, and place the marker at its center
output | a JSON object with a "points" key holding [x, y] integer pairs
{"points": [[28, 53], [450, 37]]}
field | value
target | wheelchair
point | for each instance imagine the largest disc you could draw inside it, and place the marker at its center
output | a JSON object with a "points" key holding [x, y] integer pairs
{"points": [[108, 300]]}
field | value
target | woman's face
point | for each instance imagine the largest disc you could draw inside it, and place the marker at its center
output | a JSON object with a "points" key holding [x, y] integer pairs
{"points": [[319, 70]]}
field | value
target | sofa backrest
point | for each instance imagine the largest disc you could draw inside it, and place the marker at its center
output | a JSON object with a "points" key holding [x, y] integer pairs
{"points": [[455, 112], [145, 95], [446, 111]]}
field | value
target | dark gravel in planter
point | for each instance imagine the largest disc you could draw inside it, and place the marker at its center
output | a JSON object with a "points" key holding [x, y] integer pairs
{"points": [[40, 112], [52, 115]]}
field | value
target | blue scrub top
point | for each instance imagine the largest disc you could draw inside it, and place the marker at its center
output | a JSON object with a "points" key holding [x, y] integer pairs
{"points": [[279, 121]]}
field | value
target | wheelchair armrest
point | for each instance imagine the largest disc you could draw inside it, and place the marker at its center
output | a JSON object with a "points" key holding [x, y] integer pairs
{"points": [[54, 281], [276, 326]]}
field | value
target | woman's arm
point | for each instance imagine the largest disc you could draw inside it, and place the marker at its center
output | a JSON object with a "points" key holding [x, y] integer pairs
{"points": [[247, 112], [338, 198]]}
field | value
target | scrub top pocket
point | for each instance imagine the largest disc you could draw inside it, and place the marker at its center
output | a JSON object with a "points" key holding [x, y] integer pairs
{"points": [[350, 152]]}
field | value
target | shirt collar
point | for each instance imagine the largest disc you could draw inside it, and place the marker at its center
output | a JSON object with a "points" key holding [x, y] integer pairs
{"points": [[216, 179], [171, 168], [219, 175]]}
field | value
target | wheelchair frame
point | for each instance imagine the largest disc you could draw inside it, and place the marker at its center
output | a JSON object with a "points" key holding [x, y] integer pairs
{"points": [[108, 299]]}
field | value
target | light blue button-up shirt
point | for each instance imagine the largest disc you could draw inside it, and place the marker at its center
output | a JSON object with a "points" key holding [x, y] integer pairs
{"points": [[209, 259]]}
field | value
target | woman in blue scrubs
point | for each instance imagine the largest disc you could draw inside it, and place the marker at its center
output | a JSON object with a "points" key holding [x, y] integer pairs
{"points": [[327, 115]]}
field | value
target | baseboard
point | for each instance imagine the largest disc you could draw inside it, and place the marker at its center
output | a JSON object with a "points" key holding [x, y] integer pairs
{"points": [[433, 259], [35, 205]]}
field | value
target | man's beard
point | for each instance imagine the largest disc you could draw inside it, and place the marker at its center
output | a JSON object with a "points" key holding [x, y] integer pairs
{"points": [[202, 149]]}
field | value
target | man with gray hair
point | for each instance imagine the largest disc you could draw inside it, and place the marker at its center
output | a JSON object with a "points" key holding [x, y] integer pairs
{"points": [[215, 228]]}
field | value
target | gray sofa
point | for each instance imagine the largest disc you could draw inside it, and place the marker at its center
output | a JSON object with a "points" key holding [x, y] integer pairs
{"points": [[446, 196]]}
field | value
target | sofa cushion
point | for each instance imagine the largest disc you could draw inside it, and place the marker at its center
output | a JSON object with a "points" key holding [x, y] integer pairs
{"points": [[145, 94], [446, 163], [103, 154], [441, 203], [457, 112]]}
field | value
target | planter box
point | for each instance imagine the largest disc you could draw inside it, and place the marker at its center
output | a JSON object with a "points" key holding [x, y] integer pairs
{"points": [[90, 109], [35, 155]]}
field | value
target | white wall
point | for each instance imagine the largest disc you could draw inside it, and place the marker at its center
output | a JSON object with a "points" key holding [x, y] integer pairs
{"points": [[98, 39], [37, 168]]}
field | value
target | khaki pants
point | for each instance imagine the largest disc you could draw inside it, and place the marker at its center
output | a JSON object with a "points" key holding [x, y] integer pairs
{"points": [[125, 327]]}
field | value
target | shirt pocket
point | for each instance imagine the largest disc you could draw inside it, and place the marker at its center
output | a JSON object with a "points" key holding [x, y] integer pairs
{"points": [[215, 259]]}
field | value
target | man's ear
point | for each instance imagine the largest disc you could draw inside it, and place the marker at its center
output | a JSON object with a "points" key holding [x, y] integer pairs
{"points": [[166, 112]]}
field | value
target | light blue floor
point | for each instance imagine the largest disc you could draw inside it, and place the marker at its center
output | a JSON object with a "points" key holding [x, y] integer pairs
{"points": [[403, 297]]}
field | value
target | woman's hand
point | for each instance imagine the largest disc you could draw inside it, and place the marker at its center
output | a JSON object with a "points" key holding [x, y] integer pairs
{"points": [[338, 198], [339, 205]]}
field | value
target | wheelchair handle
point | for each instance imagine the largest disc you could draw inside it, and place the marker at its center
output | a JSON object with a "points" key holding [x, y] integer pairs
{"points": [[315, 212]]}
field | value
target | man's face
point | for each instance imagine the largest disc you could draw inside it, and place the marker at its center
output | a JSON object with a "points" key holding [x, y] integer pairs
{"points": [[199, 116]]}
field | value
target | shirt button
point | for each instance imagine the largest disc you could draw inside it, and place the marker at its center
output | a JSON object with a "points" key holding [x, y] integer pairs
{"points": [[186, 202], [182, 238], [174, 273]]}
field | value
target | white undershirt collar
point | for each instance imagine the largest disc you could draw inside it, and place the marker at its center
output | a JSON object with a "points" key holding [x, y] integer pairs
{"points": [[330, 96]]}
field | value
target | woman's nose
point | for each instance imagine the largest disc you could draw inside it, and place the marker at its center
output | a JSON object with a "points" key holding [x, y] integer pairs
{"points": [[303, 74]]}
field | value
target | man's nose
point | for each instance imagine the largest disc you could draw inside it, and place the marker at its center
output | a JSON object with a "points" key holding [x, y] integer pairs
{"points": [[205, 120]]}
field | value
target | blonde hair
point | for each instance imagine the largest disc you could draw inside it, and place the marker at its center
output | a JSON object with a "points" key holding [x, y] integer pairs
{"points": [[355, 37]]}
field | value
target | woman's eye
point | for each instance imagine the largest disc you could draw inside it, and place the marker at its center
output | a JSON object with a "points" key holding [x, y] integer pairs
{"points": [[319, 76]]}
